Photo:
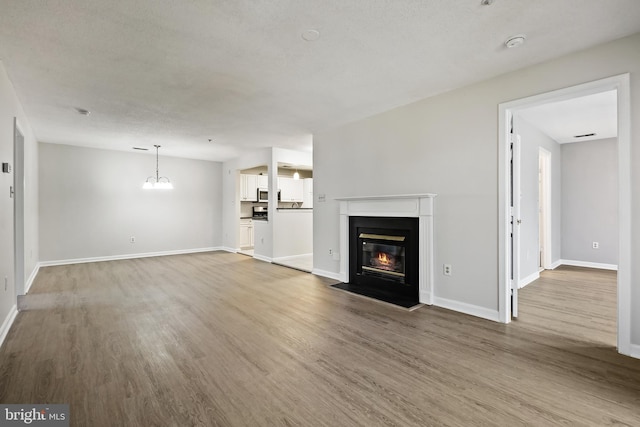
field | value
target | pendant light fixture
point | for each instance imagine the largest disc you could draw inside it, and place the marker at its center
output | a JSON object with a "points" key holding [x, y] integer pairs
{"points": [[157, 182]]}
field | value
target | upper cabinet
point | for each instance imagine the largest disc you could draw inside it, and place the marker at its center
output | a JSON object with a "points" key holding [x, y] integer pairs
{"points": [[248, 188], [263, 181], [291, 190]]}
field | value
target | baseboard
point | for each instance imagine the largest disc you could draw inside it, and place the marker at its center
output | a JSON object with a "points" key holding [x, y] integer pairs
{"points": [[127, 256], [327, 274], [530, 278], [589, 264], [8, 321], [289, 258], [31, 278], [262, 257], [465, 308], [635, 351], [228, 249], [555, 264]]}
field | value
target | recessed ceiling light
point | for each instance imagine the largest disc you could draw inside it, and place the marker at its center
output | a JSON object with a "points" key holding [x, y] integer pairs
{"points": [[311, 35], [486, 2], [83, 111], [515, 41], [585, 135]]}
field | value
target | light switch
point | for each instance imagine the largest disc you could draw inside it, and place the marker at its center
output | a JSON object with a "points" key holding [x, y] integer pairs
{"points": [[6, 168]]}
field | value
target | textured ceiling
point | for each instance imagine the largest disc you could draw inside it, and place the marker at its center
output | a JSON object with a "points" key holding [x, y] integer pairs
{"points": [[176, 73], [563, 120]]}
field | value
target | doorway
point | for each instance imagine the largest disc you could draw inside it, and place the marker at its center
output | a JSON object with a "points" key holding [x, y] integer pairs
{"points": [[506, 110]]}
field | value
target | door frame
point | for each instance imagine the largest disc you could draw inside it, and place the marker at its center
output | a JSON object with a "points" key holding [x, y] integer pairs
{"points": [[18, 210], [620, 83], [544, 158]]}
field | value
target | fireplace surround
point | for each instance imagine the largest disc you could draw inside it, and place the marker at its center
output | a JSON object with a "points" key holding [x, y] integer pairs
{"points": [[391, 217]]}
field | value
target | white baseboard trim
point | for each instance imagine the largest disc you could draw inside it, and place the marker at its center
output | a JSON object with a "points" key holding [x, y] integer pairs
{"points": [[262, 258], [635, 351], [465, 308], [530, 278], [31, 278], [327, 274], [8, 321], [587, 264], [127, 256], [555, 264], [289, 258], [228, 249]]}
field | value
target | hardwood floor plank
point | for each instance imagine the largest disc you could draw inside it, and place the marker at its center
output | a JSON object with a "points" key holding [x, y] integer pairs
{"points": [[222, 339]]}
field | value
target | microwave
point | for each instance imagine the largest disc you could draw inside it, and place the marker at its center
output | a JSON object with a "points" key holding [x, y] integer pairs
{"points": [[263, 194]]}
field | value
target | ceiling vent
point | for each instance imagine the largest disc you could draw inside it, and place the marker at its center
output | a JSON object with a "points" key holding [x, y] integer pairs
{"points": [[585, 135]]}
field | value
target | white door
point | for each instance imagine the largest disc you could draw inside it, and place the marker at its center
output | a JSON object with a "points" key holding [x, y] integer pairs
{"points": [[515, 221]]}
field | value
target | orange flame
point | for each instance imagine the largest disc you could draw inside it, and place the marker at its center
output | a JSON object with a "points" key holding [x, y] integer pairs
{"points": [[383, 258]]}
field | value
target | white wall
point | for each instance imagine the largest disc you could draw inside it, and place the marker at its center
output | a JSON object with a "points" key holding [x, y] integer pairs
{"points": [[448, 144], [532, 139], [9, 108], [292, 231], [92, 202], [590, 201]]}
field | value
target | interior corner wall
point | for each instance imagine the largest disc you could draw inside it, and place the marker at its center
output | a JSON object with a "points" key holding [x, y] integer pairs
{"points": [[11, 108], [448, 144], [590, 201], [532, 139], [92, 202]]}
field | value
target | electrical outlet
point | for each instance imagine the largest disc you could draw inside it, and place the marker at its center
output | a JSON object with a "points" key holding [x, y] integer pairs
{"points": [[330, 251], [6, 282], [132, 239], [446, 269], [595, 245]]}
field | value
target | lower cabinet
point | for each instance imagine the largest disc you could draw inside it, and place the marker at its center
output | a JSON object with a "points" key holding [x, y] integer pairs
{"points": [[246, 233]]}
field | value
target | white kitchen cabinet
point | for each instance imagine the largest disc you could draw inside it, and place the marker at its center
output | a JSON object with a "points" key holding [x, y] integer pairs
{"points": [[248, 188], [263, 181], [246, 233], [291, 190]]}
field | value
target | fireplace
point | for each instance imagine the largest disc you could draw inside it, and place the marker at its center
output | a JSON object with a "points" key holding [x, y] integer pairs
{"points": [[386, 248], [383, 255]]}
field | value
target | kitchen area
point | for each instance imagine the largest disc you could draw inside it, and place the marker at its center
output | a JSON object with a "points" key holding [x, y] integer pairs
{"points": [[287, 224]]}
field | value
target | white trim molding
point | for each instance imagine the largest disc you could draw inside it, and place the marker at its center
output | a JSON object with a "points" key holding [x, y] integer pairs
{"points": [[291, 257], [399, 206], [127, 256], [327, 274], [588, 264], [634, 351], [8, 321], [32, 278], [262, 258], [470, 309], [555, 264], [530, 278]]}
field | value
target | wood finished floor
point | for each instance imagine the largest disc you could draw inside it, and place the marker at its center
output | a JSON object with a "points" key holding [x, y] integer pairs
{"points": [[222, 339]]}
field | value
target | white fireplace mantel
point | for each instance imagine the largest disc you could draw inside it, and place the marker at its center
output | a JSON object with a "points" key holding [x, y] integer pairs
{"points": [[400, 206]]}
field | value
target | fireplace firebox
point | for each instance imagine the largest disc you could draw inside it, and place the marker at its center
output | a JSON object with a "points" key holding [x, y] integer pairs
{"points": [[383, 258]]}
